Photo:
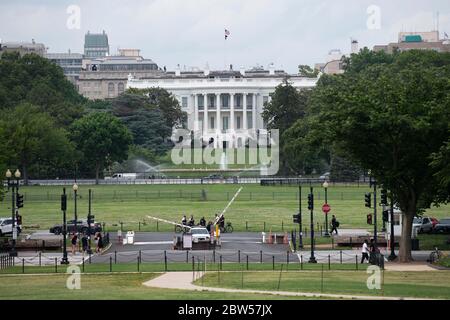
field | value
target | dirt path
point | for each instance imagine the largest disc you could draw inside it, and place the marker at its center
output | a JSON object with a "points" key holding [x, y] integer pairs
{"points": [[183, 281], [408, 267]]}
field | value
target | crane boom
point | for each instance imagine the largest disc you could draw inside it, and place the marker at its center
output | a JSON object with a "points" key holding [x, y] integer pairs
{"points": [[228, 205]]}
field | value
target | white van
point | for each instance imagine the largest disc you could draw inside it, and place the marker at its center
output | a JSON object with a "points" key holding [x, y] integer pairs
{"points": [[124, 176]]}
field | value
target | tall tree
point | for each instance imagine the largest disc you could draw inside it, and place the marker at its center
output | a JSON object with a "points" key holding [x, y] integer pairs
{"points": [[31, 134], [389, 115], [102, 139], [306, 71], [286, 106]]}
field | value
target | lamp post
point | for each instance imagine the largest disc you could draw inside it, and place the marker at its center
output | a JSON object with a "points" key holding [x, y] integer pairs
{"points": [[392, 256], [312, 259], [75, 190], [14, 185], [64, 259], [325, 186], [300, 244]]}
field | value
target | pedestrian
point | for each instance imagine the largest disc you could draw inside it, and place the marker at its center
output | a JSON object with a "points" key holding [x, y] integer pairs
{"points": [[84, 243], [191, 221], [74, 241], [209, 226], [99, 242], [365, 251], [203, 222], [334, 224], [184, 220]]}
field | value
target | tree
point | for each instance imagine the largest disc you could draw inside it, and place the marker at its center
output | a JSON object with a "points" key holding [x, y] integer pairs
{"points": [[306, 71], [287, 106], [441, 164], [31, 134], [302, 148], [390, 114], [102, 139], [159, 98], [146, 122], [38, 81]]}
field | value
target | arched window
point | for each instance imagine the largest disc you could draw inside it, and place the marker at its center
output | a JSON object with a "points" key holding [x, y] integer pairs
{"points": [[120, 88], [111, 89]]}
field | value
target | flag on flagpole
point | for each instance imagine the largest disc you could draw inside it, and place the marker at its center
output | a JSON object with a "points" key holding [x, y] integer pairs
{"points": [[227, 33]]}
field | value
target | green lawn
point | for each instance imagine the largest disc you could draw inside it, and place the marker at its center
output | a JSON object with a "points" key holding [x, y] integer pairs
{"points": [[431, 284], [255, 208], [105, 286]]}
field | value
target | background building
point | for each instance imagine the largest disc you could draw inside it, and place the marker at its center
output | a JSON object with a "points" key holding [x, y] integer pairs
{"points": [[106, 77], [23, 47], [223, 107], [96, 45], [71, 63], [416, 40]]}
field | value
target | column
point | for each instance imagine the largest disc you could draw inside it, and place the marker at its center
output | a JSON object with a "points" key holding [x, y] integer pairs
{"points": [[196, 128], [232, 111], [218, 120], [205, 115], [244, 112], [254, 112]]}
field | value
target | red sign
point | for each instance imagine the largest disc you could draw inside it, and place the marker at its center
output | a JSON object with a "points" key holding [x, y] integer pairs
{"points": [[326, 208]]}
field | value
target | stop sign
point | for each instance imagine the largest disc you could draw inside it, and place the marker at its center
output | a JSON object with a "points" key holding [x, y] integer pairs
{"points": [[326, 208]]}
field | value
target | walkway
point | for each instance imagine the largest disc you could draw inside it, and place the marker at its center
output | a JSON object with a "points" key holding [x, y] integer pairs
{"points": [[183, 281]]}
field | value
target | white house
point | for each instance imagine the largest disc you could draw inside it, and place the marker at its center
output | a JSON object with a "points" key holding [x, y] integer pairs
{"points": [[223, 107]]}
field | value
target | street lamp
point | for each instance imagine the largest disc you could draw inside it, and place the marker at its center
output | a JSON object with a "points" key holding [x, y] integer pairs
{"points": [[312, 259], [75, 190], [325, 186], [14, 185], [64, 259]]}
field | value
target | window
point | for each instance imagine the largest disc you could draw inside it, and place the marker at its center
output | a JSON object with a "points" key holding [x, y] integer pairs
{"points": [[249, 121], [249, 101], [201, 101], [238, 122], [120, 88], [184, 102], [225, 101], [238, 100], [111, 89], [212, 101], [212, 122], [225, 123]]}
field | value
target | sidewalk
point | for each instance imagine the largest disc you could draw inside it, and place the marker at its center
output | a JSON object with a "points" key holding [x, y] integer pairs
{"points": [[183, 281]]}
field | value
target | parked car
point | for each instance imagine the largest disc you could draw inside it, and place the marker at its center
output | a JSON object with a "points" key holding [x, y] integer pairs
{"points": [[326, 175], [82, 227], [200, 234], [423, 224], [443, 226], [5, 226]]}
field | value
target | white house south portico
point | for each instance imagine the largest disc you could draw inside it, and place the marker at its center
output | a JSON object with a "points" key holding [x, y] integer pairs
{"points": [[223, 107]]}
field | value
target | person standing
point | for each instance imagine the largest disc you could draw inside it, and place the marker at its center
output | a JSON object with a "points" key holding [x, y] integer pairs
{"points": [[74, 242], [203, 222], [99, 243], [334, 225], [365, 252], [84, 243]]}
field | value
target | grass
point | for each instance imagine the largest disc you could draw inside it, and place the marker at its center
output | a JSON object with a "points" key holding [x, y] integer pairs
{"points": [[255, 209], [160, 267], [105, 287], [432, 284]]}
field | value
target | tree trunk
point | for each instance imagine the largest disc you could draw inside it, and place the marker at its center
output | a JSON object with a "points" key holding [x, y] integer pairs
{"points": [[97, 170], [405, 240]]}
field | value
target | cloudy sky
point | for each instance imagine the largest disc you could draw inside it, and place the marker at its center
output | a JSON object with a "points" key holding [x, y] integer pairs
{"points": [[191, 32]]}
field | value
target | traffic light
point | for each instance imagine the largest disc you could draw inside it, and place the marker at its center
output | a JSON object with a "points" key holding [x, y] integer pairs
{"points": [[310, 201], [19, 201], [368, 200], [63, 202], [296, 218], [369, 218], [384, 201], [386, 215]]}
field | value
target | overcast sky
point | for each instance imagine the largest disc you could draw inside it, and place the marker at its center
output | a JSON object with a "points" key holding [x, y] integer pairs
{"points": [[191, 32]]}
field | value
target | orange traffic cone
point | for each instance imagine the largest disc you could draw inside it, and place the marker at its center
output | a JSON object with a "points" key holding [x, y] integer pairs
{"points": [[270, 240]]}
